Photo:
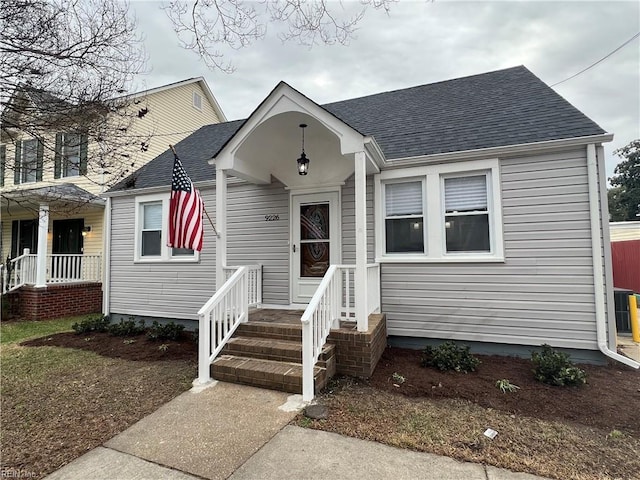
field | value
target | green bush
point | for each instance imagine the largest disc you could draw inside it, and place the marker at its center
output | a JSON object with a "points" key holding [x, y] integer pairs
{"points": [[555, 368], [449, 356], [169, 331], [127, 328], [92, 324]]}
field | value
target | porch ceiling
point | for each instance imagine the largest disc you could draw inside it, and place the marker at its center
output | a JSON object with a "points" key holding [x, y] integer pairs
{"points": [[275, 145]]}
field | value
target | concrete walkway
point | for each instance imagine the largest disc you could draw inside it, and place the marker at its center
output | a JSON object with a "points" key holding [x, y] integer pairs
{"points": [[242, 433]]}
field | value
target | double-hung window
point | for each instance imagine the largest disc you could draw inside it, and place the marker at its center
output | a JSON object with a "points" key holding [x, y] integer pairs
{"points": [[151, 227], [440, 213], [466, 214], [70, 155], [404, 219], [29, 160]]}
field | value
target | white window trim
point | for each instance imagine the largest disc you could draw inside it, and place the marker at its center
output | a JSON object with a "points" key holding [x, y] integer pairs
{"points": [[433, 200], [165, 251], [425, 215]]}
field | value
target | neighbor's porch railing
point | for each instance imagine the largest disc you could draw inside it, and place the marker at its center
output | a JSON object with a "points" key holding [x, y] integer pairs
{"points": [[333, 301], [61, 268], [220, 316], [20, 271]]}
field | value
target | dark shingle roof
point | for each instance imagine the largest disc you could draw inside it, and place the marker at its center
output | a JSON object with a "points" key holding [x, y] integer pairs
{"points": [[506, 107], [194, 151]]}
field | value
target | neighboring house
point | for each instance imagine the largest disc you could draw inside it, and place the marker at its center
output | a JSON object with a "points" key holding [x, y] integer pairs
{"points": [[50, 196], [468, 209], [625, 250]]}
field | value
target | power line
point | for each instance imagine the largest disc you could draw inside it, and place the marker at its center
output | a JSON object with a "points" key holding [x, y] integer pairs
{"points": [[599, 61]]}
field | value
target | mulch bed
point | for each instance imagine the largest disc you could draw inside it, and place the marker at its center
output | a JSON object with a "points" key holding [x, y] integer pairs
{"points": [[609, 400], [138, 348]]}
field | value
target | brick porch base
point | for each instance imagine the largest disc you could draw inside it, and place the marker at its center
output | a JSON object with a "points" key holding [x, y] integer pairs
{"points": [[57, 301]]}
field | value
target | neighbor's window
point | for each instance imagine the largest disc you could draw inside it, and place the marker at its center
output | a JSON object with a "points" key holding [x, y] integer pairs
{"points": [[404, 220], [466, 214], [197, 101], [151, 241], [28, 161], [71, 155]]}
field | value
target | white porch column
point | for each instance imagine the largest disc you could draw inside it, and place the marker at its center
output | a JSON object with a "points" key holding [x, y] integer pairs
{"points": [[221, 226], [41, 261], [360, 288]]}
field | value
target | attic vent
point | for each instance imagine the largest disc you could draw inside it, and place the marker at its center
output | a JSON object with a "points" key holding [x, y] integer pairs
{"points": [[197, 101]]}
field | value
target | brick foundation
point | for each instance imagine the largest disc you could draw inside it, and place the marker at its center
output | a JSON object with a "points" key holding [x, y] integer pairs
{"points": [[57, 301], [358, 353]]}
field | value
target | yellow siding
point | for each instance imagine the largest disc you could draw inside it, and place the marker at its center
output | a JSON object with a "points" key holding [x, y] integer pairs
{"points": [[171, 117], [93, 216], [620, 231]]}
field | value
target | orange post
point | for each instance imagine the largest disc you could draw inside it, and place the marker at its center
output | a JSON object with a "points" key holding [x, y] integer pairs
{"points": [[633, 315]]}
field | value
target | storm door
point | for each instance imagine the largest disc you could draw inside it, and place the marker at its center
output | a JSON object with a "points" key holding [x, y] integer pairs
{"points": [[315, 242]]}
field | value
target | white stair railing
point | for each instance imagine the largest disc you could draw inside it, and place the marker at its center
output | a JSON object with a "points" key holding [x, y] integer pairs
{"points": [[332, 302], [255, 281], [219, 318]]}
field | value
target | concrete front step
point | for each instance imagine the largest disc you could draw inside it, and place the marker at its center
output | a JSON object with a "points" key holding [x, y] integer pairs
{"points": [[272, 349], [283, 376]]}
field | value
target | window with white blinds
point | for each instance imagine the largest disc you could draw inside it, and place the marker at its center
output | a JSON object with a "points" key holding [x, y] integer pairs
{"points": [[403, 199], [465, 194], [404, 225], [151, 225], [449, 212]]}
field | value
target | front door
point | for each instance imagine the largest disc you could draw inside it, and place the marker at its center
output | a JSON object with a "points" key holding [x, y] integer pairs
{"points": [[315, 241], [67, 239]]}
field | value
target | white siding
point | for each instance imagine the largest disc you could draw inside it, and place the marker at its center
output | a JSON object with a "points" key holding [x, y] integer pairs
{"points": [[542, 293]]}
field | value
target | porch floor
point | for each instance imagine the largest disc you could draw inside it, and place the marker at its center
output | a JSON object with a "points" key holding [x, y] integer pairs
{"points": [[286, 316]]}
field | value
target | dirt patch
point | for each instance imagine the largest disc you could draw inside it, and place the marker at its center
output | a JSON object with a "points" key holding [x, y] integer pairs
{"points": [[609, 400], [591, 432], [138, 348]]}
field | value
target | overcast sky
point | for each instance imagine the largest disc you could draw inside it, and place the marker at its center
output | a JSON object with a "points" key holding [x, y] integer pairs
{"points": [[423, 42]]}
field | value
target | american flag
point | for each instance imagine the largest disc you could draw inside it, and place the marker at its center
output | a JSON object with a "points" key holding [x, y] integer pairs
{"points": [[185, 211]]}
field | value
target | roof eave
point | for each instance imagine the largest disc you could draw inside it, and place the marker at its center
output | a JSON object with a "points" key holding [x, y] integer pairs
{"points": [[501, 150]]}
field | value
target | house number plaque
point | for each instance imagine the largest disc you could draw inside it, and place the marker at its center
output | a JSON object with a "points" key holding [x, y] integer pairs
{"points": [[271, 218]]}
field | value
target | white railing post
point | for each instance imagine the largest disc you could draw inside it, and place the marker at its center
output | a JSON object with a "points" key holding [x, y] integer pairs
{"points": [[308, 362], [204, 341]]}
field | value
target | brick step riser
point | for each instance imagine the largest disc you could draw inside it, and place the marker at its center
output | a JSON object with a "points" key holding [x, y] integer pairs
{"points": [[275, 353], [292, 383], [270, 331]]}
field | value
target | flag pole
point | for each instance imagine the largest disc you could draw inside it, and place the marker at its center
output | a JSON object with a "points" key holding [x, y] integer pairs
{"points": [[175, 154]]}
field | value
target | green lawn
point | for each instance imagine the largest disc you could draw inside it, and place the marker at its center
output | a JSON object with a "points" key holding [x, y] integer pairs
{"points": [[13, 332]]}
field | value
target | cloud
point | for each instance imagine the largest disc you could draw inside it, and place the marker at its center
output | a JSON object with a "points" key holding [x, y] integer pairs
{"points": [[425, 42]]}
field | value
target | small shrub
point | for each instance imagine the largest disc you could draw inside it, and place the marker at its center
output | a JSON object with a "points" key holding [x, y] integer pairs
{"points": [[506, 386], [170, 331], [449, 356], [93, 324], [127, 328], [555, 368], [397, 378]]}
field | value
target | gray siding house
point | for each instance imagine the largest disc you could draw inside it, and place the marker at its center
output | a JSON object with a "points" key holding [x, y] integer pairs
{"points": [[470, 209]]}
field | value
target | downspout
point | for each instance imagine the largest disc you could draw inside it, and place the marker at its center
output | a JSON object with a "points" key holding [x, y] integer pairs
{"points": [[596, 253], [106, 256]]}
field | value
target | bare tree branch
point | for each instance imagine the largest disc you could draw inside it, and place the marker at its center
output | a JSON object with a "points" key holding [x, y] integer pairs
{"points": [[204, 26]]}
